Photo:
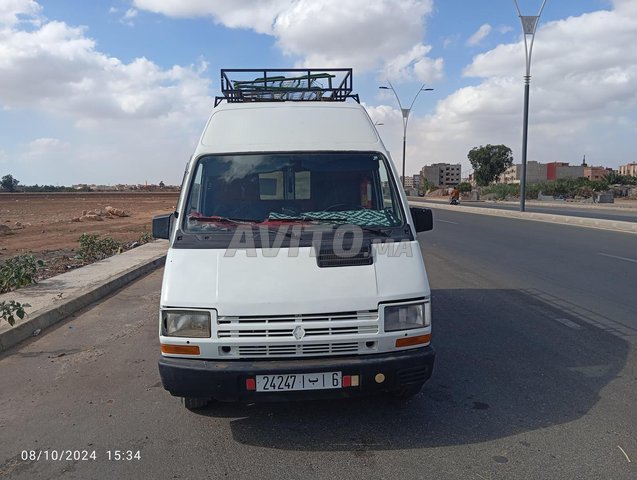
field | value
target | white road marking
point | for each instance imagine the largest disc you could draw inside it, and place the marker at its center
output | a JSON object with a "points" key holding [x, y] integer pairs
{"points": [[624, 453], [446, 221], [615, 256]]}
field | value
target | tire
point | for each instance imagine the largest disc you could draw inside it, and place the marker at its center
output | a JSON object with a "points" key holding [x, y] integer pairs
{"points": [[194, 403]]}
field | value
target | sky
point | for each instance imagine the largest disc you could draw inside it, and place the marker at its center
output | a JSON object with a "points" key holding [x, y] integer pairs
{"points": [[118, 91]]}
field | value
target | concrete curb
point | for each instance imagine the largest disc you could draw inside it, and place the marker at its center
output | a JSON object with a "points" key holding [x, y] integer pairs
{"points": [[131, 269], [606, 207], [597, 223]]}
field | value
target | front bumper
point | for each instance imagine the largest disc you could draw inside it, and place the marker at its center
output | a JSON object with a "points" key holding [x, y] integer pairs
{"points": [[226, 380]]}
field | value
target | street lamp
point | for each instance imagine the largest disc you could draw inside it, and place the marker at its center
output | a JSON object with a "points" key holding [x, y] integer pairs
{"points": [[529, 24], [405, 112]]}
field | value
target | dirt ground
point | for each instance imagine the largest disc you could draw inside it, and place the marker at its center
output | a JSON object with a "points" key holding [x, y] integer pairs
{"points": [[42, 223]]}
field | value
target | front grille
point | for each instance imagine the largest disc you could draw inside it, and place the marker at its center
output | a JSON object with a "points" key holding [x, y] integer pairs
{"points": [[327, 257], [313, 325], [300, 349]]}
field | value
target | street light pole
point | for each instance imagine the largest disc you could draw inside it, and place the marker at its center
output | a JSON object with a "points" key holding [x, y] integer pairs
{"points": [[529, 25], [405, 114]]}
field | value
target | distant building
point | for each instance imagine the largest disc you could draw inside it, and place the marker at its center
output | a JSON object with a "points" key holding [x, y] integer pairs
{"points": [[596, 173], [417, 181], [535, 172], [630, 169], [408, 183], [551, 169], [555, 170], [442, 174], [569, 171]]}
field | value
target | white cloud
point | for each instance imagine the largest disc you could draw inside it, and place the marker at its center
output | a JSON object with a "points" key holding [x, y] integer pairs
{"points": [[13, 11], [415, 64], [43, 144], [384, 114], [136, 114], [582, 98], [505, 29], [130, 13], [367, 36], [451, 41], [258, 15], [479, 35], [356, 33], [129, 16], [58, 69]]}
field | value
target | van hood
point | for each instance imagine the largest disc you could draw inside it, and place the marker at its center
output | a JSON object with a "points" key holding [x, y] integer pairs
{"points": [[249, 283]]}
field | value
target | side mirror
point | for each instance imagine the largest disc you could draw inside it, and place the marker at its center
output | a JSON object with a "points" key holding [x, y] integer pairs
{"points": [[423, 219], [162, 225]]}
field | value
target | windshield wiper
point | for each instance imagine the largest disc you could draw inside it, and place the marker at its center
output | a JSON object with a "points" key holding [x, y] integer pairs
{"points": [[195, 218], [307, 218], [385, 232]]}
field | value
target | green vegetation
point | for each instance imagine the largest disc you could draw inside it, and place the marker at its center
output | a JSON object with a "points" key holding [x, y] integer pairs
{"points": [[502, 191], [15, 273], [11, 308], [565, 187], [18, 272], [614, 178], [51, 188], [425, 186], [145, 237], [93, 248], [464, 187], [8, 183], [489, 162]]}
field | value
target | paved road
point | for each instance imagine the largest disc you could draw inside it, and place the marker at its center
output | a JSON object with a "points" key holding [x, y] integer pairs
{"points": [[536, 378], [600, 211]]}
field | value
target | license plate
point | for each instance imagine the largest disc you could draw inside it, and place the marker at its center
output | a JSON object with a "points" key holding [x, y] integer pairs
{"points": [[288, 382]]}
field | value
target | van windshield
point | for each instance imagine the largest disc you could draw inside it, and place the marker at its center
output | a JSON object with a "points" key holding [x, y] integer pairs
{"points": [[309, 188]]}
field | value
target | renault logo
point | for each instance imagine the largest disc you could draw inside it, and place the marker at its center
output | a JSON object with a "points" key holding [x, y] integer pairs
{"points": [[298, 332]]}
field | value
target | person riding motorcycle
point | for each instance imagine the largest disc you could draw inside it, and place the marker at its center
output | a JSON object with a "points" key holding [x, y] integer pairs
{"points": [[455, 196]]}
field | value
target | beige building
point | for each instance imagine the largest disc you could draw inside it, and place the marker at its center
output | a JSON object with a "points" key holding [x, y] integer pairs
{"points": [[442, 174], [535, 172], [629, 169], [408, 181]]}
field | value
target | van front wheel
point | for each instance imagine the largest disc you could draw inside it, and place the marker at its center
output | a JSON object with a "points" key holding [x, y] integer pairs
{"points": [[194, 403]]}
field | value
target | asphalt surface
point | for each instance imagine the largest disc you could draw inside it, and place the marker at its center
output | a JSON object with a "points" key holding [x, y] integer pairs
{"points": [[536, 377]]}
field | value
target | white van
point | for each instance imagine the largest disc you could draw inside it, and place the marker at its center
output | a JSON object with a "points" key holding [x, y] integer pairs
{"points": [[293, 270]]}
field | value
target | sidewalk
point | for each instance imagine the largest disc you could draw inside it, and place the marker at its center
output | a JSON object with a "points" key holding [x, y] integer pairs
{"points": [[55, 298]]}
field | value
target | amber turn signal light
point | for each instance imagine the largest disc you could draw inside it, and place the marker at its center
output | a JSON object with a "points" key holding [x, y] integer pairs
{"points": [[180, 349], [411, 341]]}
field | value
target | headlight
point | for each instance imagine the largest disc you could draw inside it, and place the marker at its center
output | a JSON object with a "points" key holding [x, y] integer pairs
{"points": [[405, 317], [186, 324]]}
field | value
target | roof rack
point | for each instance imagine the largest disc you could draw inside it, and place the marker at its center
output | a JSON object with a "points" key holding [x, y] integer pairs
{"points": [[289, 84]]}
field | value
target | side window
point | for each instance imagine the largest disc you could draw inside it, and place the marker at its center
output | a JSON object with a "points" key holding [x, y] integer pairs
{"points": [[385, 186], [195, 192]]}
